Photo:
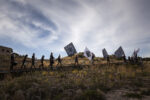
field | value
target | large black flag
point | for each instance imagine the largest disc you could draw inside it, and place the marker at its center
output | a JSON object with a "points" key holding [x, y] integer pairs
{"points": [[70, 49], [105, 54], [119, 52]]}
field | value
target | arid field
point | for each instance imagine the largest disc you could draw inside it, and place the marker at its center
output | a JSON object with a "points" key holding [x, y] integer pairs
{"points": [[101, 81]]}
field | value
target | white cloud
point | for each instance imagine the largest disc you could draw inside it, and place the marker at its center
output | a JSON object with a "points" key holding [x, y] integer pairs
{"points": [[96, 24]]}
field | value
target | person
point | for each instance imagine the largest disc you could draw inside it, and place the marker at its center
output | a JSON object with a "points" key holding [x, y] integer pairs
{"points": [[93, 56], [140, 60], [124, 58], [12, 61], [141, 63], [132, 60], [108, 60], [129, 59], [23, 62], [51, 60], [135, 59], [42, 62], [76, 60], [59, 61], [33, 60]]}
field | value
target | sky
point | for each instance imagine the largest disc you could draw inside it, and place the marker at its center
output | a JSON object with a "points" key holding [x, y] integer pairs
{"points": [[44, 26]]}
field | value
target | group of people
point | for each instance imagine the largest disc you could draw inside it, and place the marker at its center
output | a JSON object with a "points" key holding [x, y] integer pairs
{"points": [[132, 60], [123, 57], [59, 61], [135, 60], [51, 61]]}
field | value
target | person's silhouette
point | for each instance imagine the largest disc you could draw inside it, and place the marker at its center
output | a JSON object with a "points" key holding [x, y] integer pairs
{"points": [[42, 62], [33, 60], [59, 61], [76, 61], [23, 62], [51, 60]]}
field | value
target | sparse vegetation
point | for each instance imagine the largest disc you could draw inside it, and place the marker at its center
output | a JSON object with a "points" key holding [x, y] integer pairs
{"points": [[133, 95], [92, 82]]}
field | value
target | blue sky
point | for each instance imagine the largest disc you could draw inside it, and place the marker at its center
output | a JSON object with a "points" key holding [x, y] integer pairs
{"points": [[44, 26]]}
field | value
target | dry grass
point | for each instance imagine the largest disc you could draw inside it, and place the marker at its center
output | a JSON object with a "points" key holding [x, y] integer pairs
{"points": [[93, 82], [75, 84]]}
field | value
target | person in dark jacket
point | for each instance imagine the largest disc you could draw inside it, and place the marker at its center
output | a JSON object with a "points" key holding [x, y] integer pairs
{"points": [[59, 61], [129, 59], [124, 59], [93, 56], [23, 62], [76, 60], [42, 62], [33, 61], [108, 59], [51, 60]]}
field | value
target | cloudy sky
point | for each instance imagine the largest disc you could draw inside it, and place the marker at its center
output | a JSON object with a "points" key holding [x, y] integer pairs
{"points": [[44, 26]]}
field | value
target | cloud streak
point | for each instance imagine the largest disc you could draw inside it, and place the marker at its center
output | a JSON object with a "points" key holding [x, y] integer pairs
{"points": [[49, 25]]}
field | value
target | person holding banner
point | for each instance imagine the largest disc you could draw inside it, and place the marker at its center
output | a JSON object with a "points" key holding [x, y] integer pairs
{"points": [[108, 60], [135, 55], [124, 59], [76, 61], [92, 60], [90, 55]]}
